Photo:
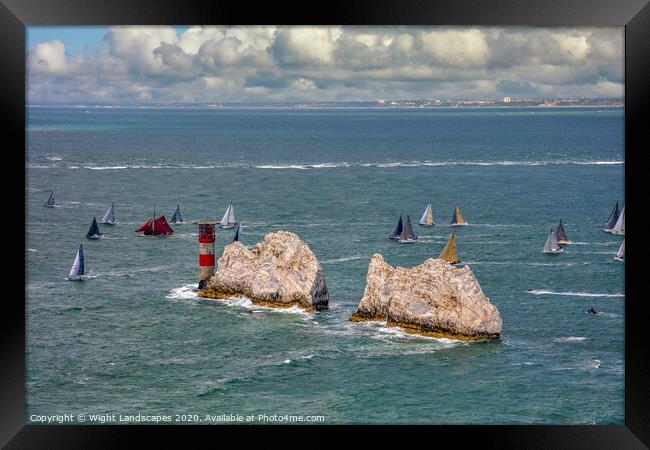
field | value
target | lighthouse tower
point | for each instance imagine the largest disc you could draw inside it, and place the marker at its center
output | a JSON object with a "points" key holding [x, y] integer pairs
{"points": [[206, 250]]}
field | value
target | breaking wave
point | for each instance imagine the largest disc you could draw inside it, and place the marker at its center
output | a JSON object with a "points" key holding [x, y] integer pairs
{"points": [[323, 165], [516, 263], [185, 292], [289, 361], [393, 164], [573, 294], [593, 363], [143, 166], [128, 273], [188, 292], [255, 308], [305, 166], [343, 259], [41, 166], [383, 332], [497, 225], [570, 339]]}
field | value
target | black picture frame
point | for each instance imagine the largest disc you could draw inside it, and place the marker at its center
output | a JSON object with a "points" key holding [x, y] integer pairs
{"points": [[634, 15]]}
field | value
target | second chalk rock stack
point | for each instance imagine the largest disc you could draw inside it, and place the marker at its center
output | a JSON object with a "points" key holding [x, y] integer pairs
{"points": [[434, 298]]}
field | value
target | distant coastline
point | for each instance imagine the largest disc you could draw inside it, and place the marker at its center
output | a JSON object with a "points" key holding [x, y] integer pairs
{"points": [[380, 104]]}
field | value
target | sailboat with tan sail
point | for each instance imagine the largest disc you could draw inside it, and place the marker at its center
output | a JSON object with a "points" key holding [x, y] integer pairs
{"points": [[449, 253], [458, 219]]}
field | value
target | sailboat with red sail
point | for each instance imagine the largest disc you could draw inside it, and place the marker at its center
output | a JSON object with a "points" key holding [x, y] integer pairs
{"points": [[156, 226]]}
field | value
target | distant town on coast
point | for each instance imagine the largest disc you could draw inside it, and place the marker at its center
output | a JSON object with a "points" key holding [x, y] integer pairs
{"points": [[505, 102]]}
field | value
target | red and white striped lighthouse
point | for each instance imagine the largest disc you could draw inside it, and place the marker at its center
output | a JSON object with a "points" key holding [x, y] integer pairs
{"points": [[206, 250]]}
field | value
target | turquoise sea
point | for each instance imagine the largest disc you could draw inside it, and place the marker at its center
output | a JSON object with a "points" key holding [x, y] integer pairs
{"points": [[134, 339]]}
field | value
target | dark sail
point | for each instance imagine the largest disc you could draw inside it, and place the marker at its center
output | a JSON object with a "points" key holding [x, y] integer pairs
{"points": [[560, 234], [50, 201], [93, 232], [398, 229], [236, 238], [177, 217], [613, 218], [78, 265], [407, 233], [81, 260]]}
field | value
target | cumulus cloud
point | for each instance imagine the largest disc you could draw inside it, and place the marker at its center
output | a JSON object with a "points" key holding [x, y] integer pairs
{"points": [[456, 48], [48, 58], [305, 46], [296, 63]]}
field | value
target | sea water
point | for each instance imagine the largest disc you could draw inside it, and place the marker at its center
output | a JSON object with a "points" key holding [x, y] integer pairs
{"points": [[134, 338]]}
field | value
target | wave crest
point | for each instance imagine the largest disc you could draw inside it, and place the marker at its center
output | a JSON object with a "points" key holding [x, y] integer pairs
{"points": [[573, 294], [326, 165]]}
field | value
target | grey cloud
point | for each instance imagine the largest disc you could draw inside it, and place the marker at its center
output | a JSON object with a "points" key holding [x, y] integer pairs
{"points": [[268, 80], [330, 63], [517, 88]]}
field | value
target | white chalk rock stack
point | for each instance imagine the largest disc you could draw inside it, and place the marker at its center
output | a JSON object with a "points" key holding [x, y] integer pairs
{"points": [[434, 298], [281, 271]]}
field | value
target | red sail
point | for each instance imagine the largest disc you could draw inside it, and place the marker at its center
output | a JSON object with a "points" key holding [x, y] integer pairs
{"points": [[157, 227], [161, 227], [144, 227]]}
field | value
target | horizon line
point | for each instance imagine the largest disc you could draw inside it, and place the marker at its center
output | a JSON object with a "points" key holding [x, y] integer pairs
{"points": [[377, 102]]}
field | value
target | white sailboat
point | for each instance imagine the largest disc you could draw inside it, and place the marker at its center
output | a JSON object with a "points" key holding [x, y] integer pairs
{"points": [[77, 269], [427, 217], [551, 246], [109, 216], [228, 220], [620, 255], [619, 228]]}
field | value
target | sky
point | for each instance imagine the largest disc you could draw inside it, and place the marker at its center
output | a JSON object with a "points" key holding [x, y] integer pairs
{"points": [[138, 64]]}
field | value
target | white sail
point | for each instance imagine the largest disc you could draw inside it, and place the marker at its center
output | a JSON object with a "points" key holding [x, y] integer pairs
{"points": [[620, 255], [551, 245], [619, 228], [231, 216], [109, 216], [427, 216], [224, 220], [74, 271], [78, 264], [548, 247]]}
